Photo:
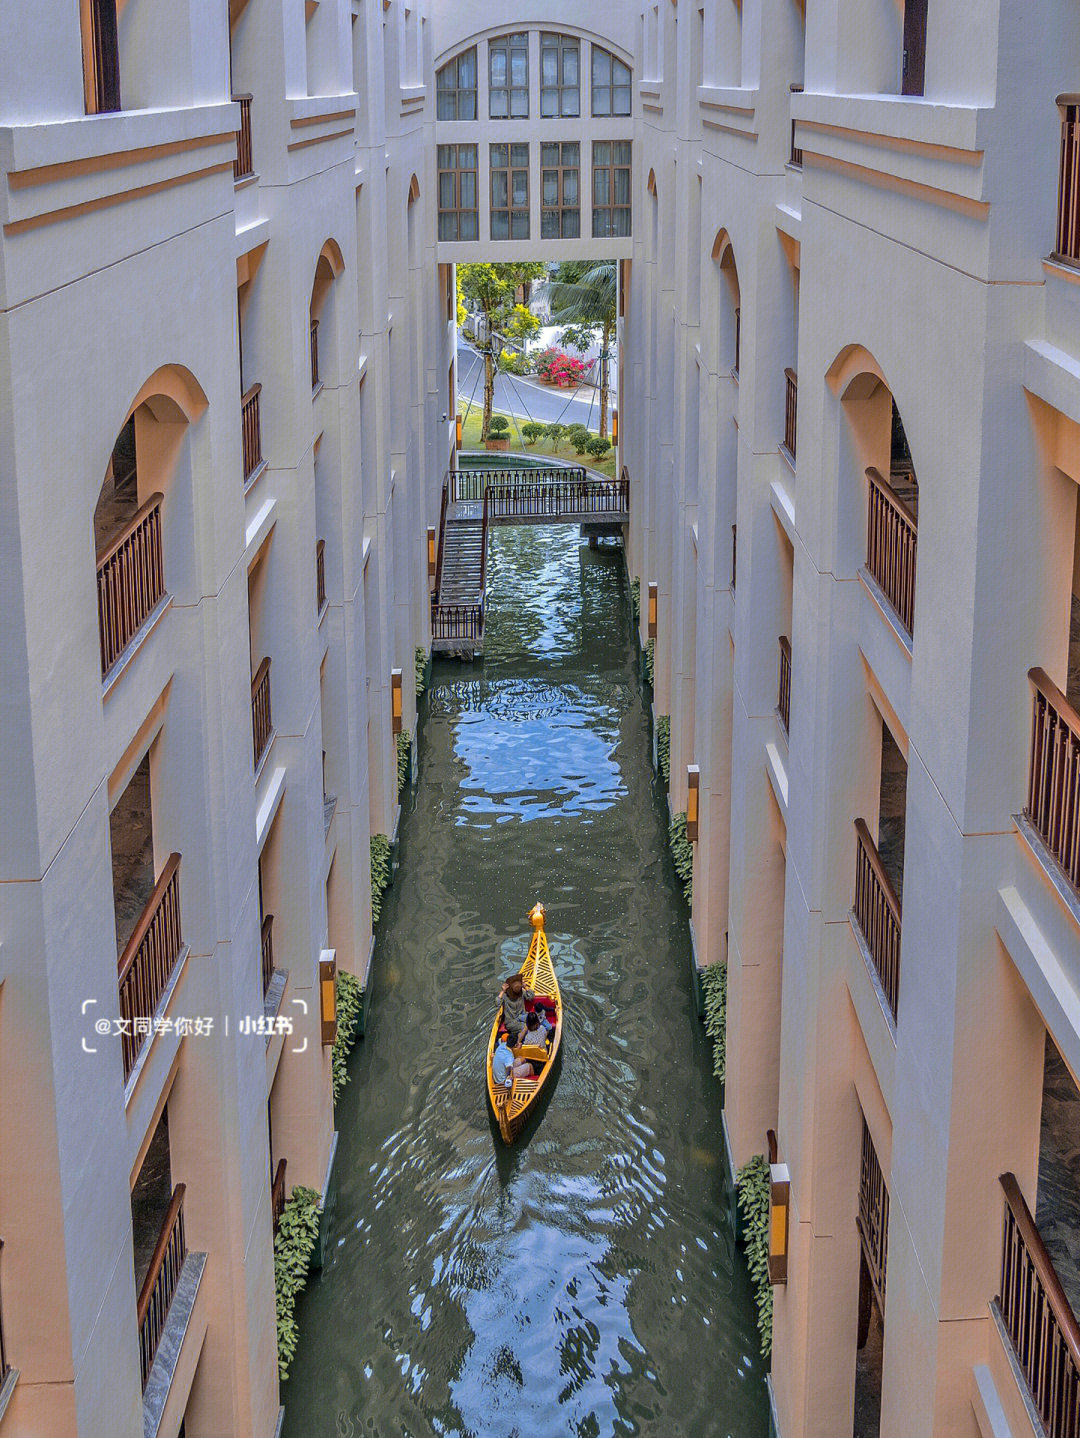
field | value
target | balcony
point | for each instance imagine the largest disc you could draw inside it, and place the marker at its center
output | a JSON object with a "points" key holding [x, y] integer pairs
{"points": [[876, 911], [795, 156], [1039, 1319], [242, 165], [738, 340], [1053, 794], [277, 1194], [262, 726], [148, 961], [251, 425], [791, 404], [267, 947], [315, 381], [160, 1283], [8, 1376], [873, 1219], [1067, 239], [783, 703], [131, 581], [891, 533]]}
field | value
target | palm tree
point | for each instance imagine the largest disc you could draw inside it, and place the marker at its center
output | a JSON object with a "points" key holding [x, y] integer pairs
{"points": [[585, 297]]}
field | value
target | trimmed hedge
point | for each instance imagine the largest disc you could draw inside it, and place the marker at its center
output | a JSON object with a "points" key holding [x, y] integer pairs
{"points": [[350, 1002], [714, 990], [294, 1244], [682, 852], [753, 1181], [380, 873]]}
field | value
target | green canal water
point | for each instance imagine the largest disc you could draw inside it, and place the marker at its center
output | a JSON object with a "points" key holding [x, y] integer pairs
{"points": [[584, 1282]]}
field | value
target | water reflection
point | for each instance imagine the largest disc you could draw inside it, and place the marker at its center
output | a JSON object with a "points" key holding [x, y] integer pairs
{"points": [[583, 1282]]}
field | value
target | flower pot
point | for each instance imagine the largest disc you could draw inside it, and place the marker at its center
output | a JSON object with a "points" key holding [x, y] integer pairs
{"points": [[496, 444]]}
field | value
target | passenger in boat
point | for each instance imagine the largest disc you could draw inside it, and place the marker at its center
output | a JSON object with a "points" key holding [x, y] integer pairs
{"points": [[503, 1063], [537, 1030], [512, 996]]}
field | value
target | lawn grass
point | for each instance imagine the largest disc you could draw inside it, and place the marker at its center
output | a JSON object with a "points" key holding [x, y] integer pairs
{"points": [[470, 439]]}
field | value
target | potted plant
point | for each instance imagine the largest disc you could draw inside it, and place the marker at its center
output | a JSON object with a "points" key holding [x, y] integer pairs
{"points": [[498, 435]]}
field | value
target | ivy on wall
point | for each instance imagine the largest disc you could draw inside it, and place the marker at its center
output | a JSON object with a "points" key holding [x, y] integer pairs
{"points": [[714, 991], [350, 1002], [682, 852], [635, 599], [753, 1181], [404, 755], [650, 662], [420, 666], [294, 1244], [663, 746], [380, 873]]}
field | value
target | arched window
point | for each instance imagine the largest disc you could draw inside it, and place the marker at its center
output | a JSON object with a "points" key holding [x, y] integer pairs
{"points": [[455, 88], [610, 84]]}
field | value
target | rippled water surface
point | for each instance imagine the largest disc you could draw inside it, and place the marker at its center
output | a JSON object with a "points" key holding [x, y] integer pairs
{"points": [[583, 1282]]}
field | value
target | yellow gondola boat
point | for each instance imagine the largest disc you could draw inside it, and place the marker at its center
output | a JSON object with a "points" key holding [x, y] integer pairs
{"points": [[511, 1105]]}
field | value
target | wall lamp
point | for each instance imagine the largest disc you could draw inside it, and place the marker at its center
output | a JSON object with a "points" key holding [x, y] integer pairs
{"points": [[328, 995], [431, 551], [653, 592], [693, 782], [779, 1213], [395, 701]]}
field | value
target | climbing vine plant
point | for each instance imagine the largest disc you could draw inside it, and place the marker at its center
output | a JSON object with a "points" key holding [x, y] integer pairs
{"points": [[753, 1182], [714, 991], [663, 746], [420, 667], [682, 852], [380, 873], [294, 1244], [650, 662], [404, 755], [350, 1003], [635, 599]]}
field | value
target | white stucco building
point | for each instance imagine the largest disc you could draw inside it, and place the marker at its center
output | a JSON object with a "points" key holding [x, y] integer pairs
{"points": [[850, 390]]}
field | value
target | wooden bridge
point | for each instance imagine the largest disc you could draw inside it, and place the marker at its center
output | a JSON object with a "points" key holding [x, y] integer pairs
{"points": [[474, 500]]}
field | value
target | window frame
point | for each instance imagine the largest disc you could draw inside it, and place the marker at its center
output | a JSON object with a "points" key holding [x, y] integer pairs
{"points": [[561, 209], [513, 42], [563, 45], [604, 56], [611, 207], [458, 170], [510, 170], [457, 90]]}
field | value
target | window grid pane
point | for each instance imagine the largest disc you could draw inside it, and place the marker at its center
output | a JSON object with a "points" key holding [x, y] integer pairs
{"points": [[509, 192], [456, 88], [457, 189], [611, 188], [508, 77], [611, 89]]}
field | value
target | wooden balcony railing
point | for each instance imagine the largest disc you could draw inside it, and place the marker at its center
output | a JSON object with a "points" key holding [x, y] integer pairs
{"points": [[873, 1220], [277, 1194], [734, 551], [1053, 795], [314, 354], [4, 1364], [320, 576], [242, 165], [262, 726], [791, 404], [784, 701], [877, 913], [738, 338], [267, 952], [891, 534], [160, 1283], [1039, 1318], [131, 581], [457, 621], [252, 429], [795, 157], [148, 960], [1067, 241]]}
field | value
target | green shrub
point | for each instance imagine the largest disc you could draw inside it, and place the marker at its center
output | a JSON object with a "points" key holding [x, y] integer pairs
{"points": [[531, 431], [404, 755], [753, 1181], [350, 1002], [576, 428], [580, 439], [663, 746], [294, 1244], [650, 662], [682, 852], [420, 669], [555, 433], [598, 446], [380, 873], [714, 990], [499, 427], [635, 599]]}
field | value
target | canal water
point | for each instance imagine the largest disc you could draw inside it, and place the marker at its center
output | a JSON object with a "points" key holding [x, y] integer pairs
{"points": [[585, 1281]]}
